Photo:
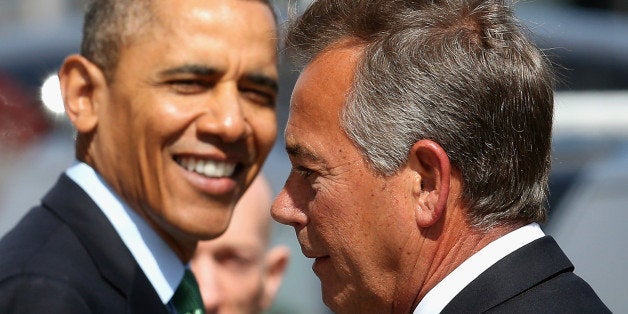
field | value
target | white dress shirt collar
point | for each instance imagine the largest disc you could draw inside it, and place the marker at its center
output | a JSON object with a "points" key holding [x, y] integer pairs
{"points": [[161, 265], [445, 291]]}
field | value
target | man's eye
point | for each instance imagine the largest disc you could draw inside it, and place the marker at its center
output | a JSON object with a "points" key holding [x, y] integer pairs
{"points": [[259, 96], [234, 260], [304, 172], [189, 86]]}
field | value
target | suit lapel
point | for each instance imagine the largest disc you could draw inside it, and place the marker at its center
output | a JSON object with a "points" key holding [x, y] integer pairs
{"points": [[515, 273], [113, 259], [142, 296]]}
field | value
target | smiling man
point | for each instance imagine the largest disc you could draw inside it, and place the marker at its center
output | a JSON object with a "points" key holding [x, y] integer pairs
{"points": [[174, 107], [419, 136]]}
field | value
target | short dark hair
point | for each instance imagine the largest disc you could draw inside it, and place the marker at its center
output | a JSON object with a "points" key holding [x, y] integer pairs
{"points": [[109, 25], [459, 72]]}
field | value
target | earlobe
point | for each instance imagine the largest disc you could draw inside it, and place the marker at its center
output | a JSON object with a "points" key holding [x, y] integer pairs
{"points": [[82, 84], [432, 175]]}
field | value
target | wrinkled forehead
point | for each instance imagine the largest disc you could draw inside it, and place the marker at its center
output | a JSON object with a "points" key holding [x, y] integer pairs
{"points": [[323, 86]]}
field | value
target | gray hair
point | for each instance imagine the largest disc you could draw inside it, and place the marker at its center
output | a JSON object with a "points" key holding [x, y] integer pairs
{"points": [[459, 72]]}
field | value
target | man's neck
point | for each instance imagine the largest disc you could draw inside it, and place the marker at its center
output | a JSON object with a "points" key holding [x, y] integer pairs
{"points": [[455, 243]]}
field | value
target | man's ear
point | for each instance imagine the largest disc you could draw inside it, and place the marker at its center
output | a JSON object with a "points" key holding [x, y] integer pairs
{"points": [[276, 261], [432, 173], [82, 86]]}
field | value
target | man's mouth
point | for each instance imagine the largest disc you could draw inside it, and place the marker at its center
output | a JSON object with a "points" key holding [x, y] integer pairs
{"points": [[206, 167]]}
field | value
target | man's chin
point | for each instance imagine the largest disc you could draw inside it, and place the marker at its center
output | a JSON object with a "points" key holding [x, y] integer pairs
{"points": [[208, 235], [207, 231]]}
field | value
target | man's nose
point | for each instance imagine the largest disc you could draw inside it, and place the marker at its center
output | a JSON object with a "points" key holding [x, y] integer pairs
{"points": [[209, 285], [224, 117], [284, 210]]}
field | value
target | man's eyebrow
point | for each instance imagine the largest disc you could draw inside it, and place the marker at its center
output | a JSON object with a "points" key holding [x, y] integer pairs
{"points": [[262, 80], [202, 70], [196, 69], [299, 151]]}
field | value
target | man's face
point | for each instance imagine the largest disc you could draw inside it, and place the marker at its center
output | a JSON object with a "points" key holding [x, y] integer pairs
{"points": [[231, 270], [189, 116], [354, 223]]}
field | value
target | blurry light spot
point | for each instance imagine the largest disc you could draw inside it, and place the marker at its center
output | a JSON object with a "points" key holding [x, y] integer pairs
{"points": [[51, 95]]}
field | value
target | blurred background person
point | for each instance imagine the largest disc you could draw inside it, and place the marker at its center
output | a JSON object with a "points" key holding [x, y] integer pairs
{"points": [[238, 272]]}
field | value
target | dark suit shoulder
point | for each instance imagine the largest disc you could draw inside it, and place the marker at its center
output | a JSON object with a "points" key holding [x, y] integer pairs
{"points": [[67, 245], [42, 244], [24, 293], [564, 293], [536, 278], [43, 254]]}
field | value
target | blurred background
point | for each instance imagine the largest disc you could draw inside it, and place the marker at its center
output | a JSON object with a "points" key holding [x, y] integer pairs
{"points": [[586, 39]]}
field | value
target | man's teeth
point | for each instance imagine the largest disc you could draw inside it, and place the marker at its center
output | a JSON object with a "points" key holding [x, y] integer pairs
{"points": [[208, 168]]}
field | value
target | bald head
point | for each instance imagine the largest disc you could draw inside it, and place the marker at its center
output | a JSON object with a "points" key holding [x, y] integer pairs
{"points": [[236, 272], [252, 213]]}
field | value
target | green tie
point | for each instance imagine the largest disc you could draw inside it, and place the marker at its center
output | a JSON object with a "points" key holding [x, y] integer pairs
{"points": [[187, 298]]}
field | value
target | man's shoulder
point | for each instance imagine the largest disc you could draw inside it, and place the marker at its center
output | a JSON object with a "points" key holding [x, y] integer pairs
{"points": [[554, 287], [42, 254], [563, 293], [45, 267], [42, 244], [66, 251], [537, 276]]}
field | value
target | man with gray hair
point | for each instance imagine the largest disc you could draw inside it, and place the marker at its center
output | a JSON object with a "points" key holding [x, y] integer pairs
{"points": [[419, 136]]}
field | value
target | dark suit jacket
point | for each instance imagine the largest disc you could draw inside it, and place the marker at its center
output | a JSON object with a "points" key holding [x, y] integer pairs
{"points": [[65, 257], [537, 278]]}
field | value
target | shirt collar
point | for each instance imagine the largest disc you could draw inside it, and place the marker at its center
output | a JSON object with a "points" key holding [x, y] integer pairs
{"points": [[161, 265], [439, 296]]}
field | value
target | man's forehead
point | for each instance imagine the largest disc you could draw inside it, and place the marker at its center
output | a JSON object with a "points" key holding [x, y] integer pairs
{"points": [[236, 244], [322, 88], [310, 131]]}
